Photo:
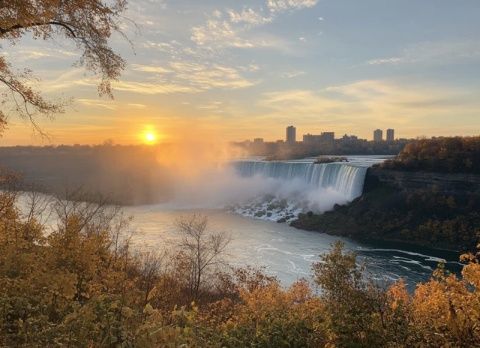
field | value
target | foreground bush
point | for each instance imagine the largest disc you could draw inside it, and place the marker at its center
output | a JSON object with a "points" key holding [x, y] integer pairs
{"points": [[79, 284]]}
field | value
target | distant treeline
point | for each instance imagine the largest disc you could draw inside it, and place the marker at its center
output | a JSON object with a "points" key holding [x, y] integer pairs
{"points": [[446, 155], [124, 174]]}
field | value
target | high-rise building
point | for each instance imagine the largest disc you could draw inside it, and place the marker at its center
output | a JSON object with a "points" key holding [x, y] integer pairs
{"points": [[378, 135], [291, 135], [390, 135]]}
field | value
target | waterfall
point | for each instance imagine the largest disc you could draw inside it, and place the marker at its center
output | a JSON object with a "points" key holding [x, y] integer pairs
{"points": [[343, 178]]}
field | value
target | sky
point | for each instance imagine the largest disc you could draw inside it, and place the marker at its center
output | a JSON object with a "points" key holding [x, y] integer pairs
{"points": [[229, 70]]}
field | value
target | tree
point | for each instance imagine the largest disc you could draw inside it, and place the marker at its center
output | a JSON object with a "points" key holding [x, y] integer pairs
{"points": [[355, 305], [202, 250], [89, 23]]}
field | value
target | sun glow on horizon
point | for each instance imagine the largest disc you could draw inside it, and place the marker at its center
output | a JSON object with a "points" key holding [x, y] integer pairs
{"points": [[150, 137]]}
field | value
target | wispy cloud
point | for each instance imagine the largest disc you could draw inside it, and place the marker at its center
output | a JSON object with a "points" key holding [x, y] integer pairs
{"points": [[381, 61], [151, 69], [98, 103], [438, 52], [373, 101], [231, 28], [215, 106], [292, 74], [213, 76], [249, 16], [153, 88], [137, 106], [70, 79], [220, 33], [36, 53], [287, 5], [233, 31], [195, 77]]}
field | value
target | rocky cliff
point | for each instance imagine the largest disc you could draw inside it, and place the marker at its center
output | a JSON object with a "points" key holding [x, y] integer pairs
{"points": [[409, 180], [430, 209]]}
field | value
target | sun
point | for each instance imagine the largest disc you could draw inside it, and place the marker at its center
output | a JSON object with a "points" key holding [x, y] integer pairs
{"points": [[150, 138]]}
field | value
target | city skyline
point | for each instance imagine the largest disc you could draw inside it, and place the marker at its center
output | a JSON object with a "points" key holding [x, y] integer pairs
{"points": [[291, 136], [238, 69]]}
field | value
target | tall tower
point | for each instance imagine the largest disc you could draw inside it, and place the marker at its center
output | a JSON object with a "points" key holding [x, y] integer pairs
{"points": [[291, 135], [378, 135], [390, 135]]}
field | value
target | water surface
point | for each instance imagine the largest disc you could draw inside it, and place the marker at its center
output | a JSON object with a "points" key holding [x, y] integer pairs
{"points": [[284, 251]]}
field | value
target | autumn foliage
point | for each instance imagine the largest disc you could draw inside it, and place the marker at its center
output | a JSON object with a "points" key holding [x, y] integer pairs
{"points": [[78, 283], [442, 154], [89, 24]]}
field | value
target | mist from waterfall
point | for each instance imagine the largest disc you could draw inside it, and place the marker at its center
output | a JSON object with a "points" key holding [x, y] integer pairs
{"points": [[270, 190], [285, 189], [345, 179]]}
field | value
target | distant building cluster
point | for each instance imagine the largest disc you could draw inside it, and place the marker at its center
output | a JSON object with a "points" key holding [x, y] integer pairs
{"points": [[325, 143], [328, 138]]}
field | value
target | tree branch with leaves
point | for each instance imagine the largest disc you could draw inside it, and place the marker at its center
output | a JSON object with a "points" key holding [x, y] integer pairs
{"points": [[88, 23]]}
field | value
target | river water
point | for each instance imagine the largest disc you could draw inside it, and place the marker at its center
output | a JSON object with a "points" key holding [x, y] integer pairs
{"points": [[284, 251]]}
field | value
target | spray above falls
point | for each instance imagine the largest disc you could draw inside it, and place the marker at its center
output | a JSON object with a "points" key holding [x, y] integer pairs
{"points": [[294, 187], [345, 179]]}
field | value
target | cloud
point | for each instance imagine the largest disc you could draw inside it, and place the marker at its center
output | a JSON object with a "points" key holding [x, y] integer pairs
{"points": [[152, 69], [232, 28], [72, 78], [212, 106], [210, 76], [292, 74], [153, 88], [144, 13], [287, 5], [36, 53], [372, 102], [188, 77], [381, 61], [98, 103], [220, 33], [248, 16], [438, 52], [250, 68], [217, 34], [137, 106]]}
